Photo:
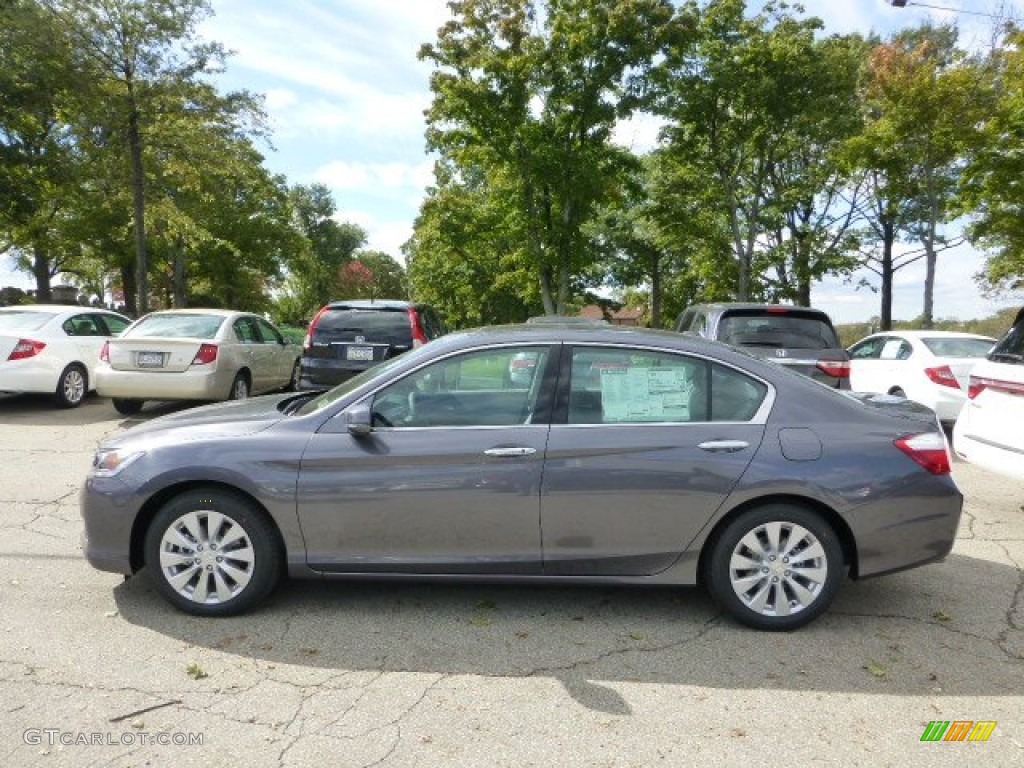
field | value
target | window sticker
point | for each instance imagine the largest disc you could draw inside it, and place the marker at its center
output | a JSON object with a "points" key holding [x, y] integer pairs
{"points": [[645, 394]]}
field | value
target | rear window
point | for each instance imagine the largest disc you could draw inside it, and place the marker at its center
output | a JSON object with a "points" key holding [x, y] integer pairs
{"points": [[958, 347], [790, 330], [17, 320], [365, 322], [177, 326]]}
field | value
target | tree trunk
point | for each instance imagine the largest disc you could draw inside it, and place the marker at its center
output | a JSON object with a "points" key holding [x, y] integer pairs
{"points": [[546, 292], [128, 288], [41, 271], [179, 274], [655, 289], [927, 318], [888, 236], [139, 210]]}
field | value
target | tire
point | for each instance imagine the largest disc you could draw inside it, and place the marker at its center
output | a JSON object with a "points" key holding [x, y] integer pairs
{"points": [[72, 386], [751, 595], [239, 387], [211, 552], [127, 407]]}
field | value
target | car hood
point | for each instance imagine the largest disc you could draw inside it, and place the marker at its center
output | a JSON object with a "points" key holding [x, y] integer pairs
{"points": [[230, 419]]}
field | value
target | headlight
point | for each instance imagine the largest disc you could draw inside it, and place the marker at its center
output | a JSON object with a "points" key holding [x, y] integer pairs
{"points": [[110, 463]]}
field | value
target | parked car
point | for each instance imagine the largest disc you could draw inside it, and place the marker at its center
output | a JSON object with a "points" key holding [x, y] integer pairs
{"points": [[800, 338], [195, 354], [53, 348], [635, 457], [990, 429], [929, 367], [348, 337]]}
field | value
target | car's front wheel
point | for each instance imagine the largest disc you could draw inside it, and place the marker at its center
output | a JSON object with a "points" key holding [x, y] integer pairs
{"points": [[776, 567], [213, 553]]}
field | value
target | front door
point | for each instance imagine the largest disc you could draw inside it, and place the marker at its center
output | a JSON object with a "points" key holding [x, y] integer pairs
{"points": [[448, 481]]}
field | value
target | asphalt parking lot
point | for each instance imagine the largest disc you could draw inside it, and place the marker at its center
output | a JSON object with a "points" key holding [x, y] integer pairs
{"points": [[95, 670]]}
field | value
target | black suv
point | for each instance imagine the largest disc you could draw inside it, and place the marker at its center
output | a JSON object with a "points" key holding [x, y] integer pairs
{"points": [[347, 337], [800, 338]]}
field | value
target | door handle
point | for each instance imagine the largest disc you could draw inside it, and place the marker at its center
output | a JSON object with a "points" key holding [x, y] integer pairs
{"points": [[515, 451], [723, 446]]}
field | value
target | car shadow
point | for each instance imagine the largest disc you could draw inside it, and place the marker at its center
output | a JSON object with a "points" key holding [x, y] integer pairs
{"points": [[42, 411], [945, 629]]}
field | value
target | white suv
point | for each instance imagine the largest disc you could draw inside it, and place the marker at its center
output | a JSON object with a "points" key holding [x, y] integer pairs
{"points": [[990, 429]]}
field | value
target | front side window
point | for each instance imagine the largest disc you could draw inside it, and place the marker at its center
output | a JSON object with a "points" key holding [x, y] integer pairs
{"points": [[115, 325], [622, 386], [486, 388], [869, 349], [269, 333], [83, 325]]}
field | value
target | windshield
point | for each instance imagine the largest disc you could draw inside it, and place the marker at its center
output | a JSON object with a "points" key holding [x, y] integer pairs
{"points": [[954, 347], [338, 392], [176, 326], [17, 320]]}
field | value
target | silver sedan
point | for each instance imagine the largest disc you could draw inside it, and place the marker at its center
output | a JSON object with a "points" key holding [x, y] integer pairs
{"points": [[195, 354], [625, 456]]}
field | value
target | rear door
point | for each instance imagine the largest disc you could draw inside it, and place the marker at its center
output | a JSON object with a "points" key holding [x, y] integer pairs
{"points": [[644, 448]]}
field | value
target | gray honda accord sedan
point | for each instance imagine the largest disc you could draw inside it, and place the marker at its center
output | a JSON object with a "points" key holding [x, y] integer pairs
{"points": [[627, 456]]}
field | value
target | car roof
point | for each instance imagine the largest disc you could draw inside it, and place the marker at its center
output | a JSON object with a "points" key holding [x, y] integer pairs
{"points": [[201, 311], [555, 332], [384, 304], [922, 334], [730, 306], [56, 309]]}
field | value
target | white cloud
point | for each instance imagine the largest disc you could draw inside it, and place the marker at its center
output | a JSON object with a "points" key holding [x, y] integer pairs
{"points": [[375, 177], [639, 133]]}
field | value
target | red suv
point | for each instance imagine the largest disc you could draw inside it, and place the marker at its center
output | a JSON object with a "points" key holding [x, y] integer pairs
{"points": [[347, 337]]}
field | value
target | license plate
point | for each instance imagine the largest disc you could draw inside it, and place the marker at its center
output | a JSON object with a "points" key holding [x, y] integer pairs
{"points": [[150, 360], [359, 353]]}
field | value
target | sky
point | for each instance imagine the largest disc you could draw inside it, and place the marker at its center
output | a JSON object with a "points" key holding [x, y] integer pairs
{"points": [[345, 94]]}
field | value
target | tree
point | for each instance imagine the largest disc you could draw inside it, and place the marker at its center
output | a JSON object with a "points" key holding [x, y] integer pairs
{"points": [[526, 95], [381, 277], [38, 166], [994, 191], [133, 52], [925, 100], [757, 107]]}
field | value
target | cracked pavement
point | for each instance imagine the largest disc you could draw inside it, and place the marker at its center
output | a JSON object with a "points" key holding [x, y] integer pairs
{"points": [[368, 674]]}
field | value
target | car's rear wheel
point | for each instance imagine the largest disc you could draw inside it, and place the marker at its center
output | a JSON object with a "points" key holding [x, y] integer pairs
{"points": [[72, 386], [239, 387], [775, 567], [213, 553], [127, 407]]}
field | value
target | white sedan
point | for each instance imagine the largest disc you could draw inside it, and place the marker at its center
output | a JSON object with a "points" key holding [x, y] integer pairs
{"points": [[195, 354], [929, 367], [990, 430], [53, 349]]}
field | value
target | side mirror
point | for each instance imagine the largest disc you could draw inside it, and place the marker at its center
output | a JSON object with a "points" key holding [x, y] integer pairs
{"points": [[359, 420]]}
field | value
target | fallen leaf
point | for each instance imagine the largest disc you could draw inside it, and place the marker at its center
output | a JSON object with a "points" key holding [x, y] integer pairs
{"points": [[941, 616], [194, 671], [876, 669]]}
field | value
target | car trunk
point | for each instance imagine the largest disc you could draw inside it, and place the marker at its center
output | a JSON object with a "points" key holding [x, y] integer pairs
{"points": [[153, 354], [361, 336]]}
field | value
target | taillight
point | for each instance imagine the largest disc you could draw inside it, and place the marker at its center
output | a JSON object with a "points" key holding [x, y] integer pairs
{"points": [[928, 449], [105, 352], [26, 348], [207, 354], [943, 376], [418, 336], [308, 341], [840, 369], [979, 384]]}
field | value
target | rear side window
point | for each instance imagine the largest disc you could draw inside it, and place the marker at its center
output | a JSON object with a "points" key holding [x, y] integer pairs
{"points": [[618, 386], [789, 330]]}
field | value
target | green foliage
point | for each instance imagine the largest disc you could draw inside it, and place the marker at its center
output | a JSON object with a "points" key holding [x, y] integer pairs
{"points": [[526, 96]]}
